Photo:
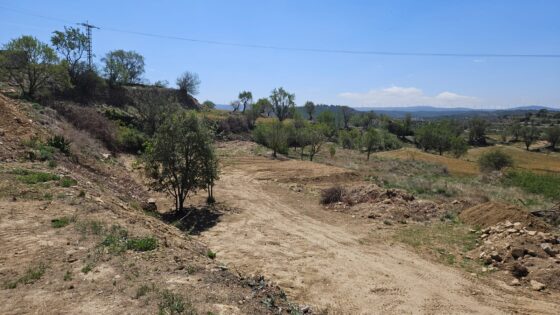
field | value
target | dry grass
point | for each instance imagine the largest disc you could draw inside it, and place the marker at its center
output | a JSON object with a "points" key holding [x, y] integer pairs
{"points": [[534, 161]]}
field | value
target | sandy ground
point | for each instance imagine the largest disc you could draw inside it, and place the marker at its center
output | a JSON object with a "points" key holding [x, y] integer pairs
{"points": [[337, 262]]}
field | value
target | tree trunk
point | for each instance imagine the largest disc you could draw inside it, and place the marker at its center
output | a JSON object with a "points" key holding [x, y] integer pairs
{"points": [[368, 153]]}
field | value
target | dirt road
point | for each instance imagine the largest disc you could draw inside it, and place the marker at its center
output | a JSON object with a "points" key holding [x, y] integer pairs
{"points": [[333, 261]]}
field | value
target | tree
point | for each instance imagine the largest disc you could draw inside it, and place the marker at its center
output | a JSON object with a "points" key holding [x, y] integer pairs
{"points": [[32, 66], [72, 45], [154, 105], [180, 158], [265, 106], [235, 105], [458, 146], [328, 120], [282, 103], [309, 109], [315, 138], [277, 138], [494, 160], [208, 104], [123, 67], [346, 115], [371, 140], [477, 131], [529, 134], [553, 136], [246, 99], [188, 83], [210, 175]]}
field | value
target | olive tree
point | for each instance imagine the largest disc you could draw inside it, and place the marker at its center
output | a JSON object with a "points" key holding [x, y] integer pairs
{"points": [[246, 99], [553, 136], [309, 109], [283, 103], [188, 83], [180, 158], [31, 65], [123, 67]]}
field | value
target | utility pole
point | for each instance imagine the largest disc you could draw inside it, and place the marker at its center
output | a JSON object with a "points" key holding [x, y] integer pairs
{"points": [[89, 27]]}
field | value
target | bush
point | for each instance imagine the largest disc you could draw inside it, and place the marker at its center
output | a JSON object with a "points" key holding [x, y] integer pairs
{"points": [[494, 160], [142, 244], [547, 185], [233, 124], [31, 177], [60, 143], [331, 195], [130, 140], [60, 222], [88, 119], [67, 182]]}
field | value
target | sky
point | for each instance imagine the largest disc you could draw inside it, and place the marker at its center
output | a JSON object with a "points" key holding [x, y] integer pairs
{"points": [[359, 80]]}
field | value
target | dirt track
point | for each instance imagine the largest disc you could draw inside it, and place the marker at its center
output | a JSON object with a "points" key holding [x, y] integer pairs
{"points": [[337, 262]]}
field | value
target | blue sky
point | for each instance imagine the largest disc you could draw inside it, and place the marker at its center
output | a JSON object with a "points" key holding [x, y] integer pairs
{"points": [[503, 27]]}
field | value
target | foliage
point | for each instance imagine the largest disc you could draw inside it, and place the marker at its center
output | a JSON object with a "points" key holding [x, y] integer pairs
{"points": [[309, 109], [123, 67], [436, 136], [477, 131], [283, 103], [494, 160], [142, 244], [246, 99], [529, 134], [31, 276], [59, 142], [331, 195], [173, 304], [130, 140], [208, 104], [332, 151], [328, 119], [349, 139], [372, 141], [188, 83], [178, 155], [32, 177], [346, 115], [315, 135], [458, 146], [32, 65], [67, 182], [547, 185], [553, 135], [265, 106], [154, 105], [60, 222], [72, 43]]}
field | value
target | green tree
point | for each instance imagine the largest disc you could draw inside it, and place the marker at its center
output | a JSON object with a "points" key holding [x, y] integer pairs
{"points": [[265, 106], [283, 103], [309, 109], [32, 66], [529, 134], [180, 157], [553, 136], [435, 136], [154, 105], [371, 141], [477, 131], [277, 138], [246, 99], [208, 104], [346, 115], [494, 160], [123, 67], [458, 146], [72, 44], [315, 138], [328, 120]]}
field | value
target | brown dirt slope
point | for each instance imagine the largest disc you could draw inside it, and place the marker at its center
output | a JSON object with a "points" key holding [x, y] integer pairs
{"points": [[491, 213]]}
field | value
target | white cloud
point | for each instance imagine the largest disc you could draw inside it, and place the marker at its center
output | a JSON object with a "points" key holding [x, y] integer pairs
{"points": [[407, 96]]}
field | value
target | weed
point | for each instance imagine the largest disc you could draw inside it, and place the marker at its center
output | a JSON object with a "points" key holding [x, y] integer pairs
{"points": [[116, 240], [142, 244], [547, 185], [60, 143], [67, 182], [60, 222], [210, 254], [87, 268], [143, 290], [52, 164], [172, 304], [31, 276], [68, 275], [32, 177]]}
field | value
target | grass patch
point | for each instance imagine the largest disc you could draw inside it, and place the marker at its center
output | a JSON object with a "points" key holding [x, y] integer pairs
{"points": [[172, 303], [117, 241], [68, 275], [31, 276], [447, 241], [87, 268], [60, 222], [547, 185], [142, 244], [32, 177], [211, 254], [67, 182]]}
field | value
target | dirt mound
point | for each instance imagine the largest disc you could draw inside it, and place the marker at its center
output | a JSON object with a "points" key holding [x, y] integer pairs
{"points": [[523, 252], [374, 202], [491, 213]]}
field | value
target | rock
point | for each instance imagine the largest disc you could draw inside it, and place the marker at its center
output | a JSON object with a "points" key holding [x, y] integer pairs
{"points": [[537, 286], [512, 230], [508, 225], [105, 155], [549, 249], [519, 271], [532, 233], [517, 225], [515, 282], [152, 201], [517, 253], [496, 256]]}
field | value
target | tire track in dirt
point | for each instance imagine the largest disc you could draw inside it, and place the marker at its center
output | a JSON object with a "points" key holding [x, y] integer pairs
{"points": [[323, 263]]}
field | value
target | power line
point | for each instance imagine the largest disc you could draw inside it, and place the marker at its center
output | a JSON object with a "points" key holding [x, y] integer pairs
{"points": [[303, 49], [89, 27]]}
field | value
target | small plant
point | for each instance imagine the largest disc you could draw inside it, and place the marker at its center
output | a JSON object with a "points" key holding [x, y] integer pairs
{"points": [[68, 275], [172, 304], [32, 177], [67, 182], [143, 290], [210, 254], [60, 143], [332, 151], [31, 276], [52, 164], [60, 222], [87, 268], [494, 160], [331, 195], [143, 244]]}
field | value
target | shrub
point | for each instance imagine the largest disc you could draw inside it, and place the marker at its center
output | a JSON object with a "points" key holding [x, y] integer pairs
{"points": [[233, 124], [88, 119], [68, 182], [130, 140], [331, 195], [143, 244], [31, 177], [60, 222], [60, 143], [31, 275], [210, 254], [172, 304], [494, 160], [547, 185]]}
